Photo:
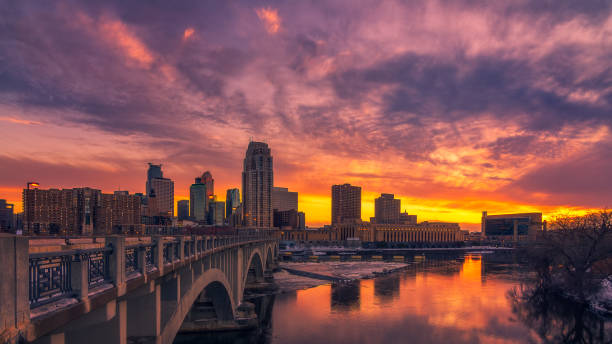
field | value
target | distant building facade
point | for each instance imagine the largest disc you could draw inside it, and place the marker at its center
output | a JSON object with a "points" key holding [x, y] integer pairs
{"points": [[216, 213], [408, 219], [301, 220], [511, 227], [198, 201], [182, 209], [346, 204], [160, 193], [208, 180], [387, 209], [79, 211], [118, 213], [418, 235], [257, 181], [283, 199], [286, 219], [7, 220], [232, 202]]}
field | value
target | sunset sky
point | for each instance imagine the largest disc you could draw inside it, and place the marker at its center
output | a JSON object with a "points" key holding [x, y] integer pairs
{"points": [[455, 106]]}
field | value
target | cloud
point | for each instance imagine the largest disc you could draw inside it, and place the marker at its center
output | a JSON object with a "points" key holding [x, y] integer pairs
{"points": [[188, 33], [19, 121], [270, 18], [434, 102]]}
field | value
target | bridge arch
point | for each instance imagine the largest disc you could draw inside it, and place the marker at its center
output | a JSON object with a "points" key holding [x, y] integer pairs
{"points": [[269, 259], [213, 280], [254, 268]]}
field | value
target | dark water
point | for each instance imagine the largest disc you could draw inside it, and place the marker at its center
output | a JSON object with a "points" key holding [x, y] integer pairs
{"points": [[461, 299]]}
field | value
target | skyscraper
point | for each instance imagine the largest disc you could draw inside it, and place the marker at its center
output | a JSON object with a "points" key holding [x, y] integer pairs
{"points": [[346, 204], [257, 181], [283, 199], [160, 192], [182, 209], [198, 201], [232, 201], [208, 180], [154, 171], [387, 209]]}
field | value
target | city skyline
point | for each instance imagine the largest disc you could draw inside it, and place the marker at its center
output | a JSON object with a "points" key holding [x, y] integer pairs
{"points": [[468, 108]]}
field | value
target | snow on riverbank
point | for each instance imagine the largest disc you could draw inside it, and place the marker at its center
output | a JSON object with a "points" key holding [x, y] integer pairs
{"points": [[341, 270], [602, 302]]}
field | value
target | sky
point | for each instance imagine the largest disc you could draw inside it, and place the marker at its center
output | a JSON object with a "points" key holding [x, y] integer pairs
{"points": [[454, 106]]}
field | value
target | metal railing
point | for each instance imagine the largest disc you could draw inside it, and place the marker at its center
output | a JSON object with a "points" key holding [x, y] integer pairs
{"points": [[51, 274]]}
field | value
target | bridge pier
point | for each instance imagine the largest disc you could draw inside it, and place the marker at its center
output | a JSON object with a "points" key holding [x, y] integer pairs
{"points": [[144, 313], [15, 308]]}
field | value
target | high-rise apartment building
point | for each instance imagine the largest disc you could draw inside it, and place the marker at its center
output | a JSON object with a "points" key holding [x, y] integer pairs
{"points": [[160, 192], [198, 201], [283, 199], [232, 202], [6, 216], [387, 209], [55, 211], [182, 210], [257, 181], [346, 204], [80, 211], [118, 213]]}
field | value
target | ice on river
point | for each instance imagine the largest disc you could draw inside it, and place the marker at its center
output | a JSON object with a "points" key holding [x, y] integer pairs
{"points": [[343, 270]]}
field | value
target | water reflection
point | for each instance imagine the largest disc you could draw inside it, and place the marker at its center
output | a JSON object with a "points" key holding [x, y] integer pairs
{"points": [[557, 319], [446, 299], [386, 288], [345, 296]]}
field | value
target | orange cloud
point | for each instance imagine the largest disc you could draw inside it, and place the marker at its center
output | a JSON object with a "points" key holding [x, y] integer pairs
{"points": [[270, 18], [19, 121], [122, 36], [188, 33]]}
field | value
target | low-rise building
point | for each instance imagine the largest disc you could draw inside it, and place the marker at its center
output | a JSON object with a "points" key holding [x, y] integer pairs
{"points": [[511, 227]]}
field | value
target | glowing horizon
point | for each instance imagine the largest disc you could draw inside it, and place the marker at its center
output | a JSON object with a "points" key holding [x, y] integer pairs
{"points": [[455, 107]]}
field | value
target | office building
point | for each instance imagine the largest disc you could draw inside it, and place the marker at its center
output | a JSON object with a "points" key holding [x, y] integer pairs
{"points": [[286, 219], [198, 201], [209, 182], [257, 181], [232, 202], [301, 220], [216, 213], [235, 219], [182, 210], [160, 193], [407, 219], [283, 199], [387, 209], [346, 204], [7, 221], [511, 227]]}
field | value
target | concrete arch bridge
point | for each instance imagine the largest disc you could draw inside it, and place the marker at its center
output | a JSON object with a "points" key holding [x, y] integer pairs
{"points": [[128, 290]]}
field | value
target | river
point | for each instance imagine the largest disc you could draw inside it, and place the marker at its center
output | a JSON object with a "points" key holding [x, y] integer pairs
{"points": [[448, 299]]}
